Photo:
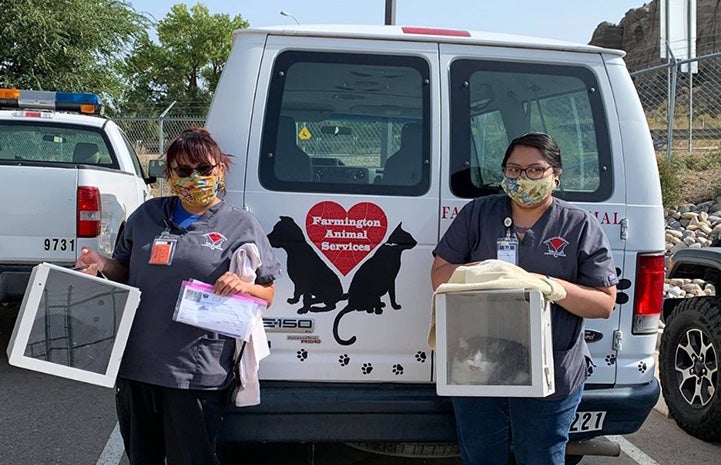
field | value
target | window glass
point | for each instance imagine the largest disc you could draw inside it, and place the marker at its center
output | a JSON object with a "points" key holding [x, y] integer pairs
{"points": [[494, 102], [348, 124], [53, 144], [133, 156]]}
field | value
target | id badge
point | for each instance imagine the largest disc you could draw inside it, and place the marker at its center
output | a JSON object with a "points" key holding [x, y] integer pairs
{"points": [[507, 250], [163, 250]]}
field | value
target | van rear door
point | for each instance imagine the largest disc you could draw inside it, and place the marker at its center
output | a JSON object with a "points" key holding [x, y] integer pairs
{"points": [[498, 94], [345, 179]]}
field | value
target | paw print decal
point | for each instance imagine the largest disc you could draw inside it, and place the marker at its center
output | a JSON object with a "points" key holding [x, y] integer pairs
{"points": [[642, 367], [302, 354], [397, 369], [611, 359], [367, 368], [421, 356], [343, 359]]}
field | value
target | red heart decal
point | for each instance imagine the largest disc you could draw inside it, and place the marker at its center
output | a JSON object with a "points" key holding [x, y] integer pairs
{"points": [[346, 237]]}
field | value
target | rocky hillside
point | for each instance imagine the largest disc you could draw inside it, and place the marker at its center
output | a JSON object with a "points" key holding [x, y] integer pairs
{"points": [[638, 33]]}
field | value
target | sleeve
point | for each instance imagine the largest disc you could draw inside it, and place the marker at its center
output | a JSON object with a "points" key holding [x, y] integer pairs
{"points": [[269, 269], [457, 243], [596, 267]]}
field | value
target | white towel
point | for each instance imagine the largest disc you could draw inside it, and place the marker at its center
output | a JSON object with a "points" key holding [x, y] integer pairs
{"points": [[244, 262]]}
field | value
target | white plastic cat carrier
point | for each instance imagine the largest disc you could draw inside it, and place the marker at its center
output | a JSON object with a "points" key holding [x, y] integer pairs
{"points": [[494, 343], [73, 325]]}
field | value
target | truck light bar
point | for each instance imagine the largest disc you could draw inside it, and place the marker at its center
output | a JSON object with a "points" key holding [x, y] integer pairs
{"points": [[48, 100]]}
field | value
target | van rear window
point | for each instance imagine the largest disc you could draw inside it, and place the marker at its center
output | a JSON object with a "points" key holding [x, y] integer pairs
{"points": [[347, 123], [493, 102]]}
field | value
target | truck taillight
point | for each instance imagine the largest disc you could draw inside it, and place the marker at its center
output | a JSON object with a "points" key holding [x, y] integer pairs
{"points": [[88, 211], [648, 297]]}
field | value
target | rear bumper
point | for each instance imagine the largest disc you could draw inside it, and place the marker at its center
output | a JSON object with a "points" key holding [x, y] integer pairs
{"points": [[325, 412], [13, 281]]}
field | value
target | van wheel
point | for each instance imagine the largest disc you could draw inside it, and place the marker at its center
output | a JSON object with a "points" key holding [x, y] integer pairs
{"points": [[409, 449], [689, 367]]}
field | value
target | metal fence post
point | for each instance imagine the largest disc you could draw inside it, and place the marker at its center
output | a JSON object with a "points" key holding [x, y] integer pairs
{"points": [[161, 142]]}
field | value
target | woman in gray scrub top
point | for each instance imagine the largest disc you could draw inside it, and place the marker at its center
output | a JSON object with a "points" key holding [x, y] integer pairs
{"points": [[175, 379], [554, 239]]}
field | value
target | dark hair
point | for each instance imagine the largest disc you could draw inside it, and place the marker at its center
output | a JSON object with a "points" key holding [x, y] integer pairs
{"points": [[195, 146], [541, 141]]}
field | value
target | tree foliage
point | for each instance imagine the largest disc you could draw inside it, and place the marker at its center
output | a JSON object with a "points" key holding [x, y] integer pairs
{"points": [[185, 63], [68, 45]]}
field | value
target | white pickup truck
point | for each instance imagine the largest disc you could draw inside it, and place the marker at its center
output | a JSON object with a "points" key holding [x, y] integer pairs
{"points": [[70, 178]]}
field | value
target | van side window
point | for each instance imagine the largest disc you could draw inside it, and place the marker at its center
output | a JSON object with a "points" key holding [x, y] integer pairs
{"points": [[347, 123], [494, 102]]}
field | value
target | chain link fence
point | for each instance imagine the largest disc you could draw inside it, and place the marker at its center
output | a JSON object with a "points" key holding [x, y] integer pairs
{"points": [[683, 110], [682, 102], [150, 136]]}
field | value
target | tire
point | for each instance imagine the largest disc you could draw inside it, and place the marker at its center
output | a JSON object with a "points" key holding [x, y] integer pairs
{"points": [[409, 449], [689, 365]]}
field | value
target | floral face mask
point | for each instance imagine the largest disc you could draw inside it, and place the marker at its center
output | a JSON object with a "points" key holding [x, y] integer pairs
{"points": [[196, 190], [528, 192]]}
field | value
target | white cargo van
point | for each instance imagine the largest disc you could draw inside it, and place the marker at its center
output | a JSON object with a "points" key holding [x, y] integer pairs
{"points": [[356, 147]]}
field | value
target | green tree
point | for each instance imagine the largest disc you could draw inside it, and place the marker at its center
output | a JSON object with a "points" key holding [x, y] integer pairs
{"points": [[68, 45], [185, 63]]}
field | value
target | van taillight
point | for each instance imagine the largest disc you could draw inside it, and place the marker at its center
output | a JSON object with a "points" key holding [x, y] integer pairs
{"points": [[88, 211], [648, 297]]}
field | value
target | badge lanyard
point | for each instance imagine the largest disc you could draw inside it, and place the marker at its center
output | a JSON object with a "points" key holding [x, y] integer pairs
{"points": [[163, 248], [507, 247]]}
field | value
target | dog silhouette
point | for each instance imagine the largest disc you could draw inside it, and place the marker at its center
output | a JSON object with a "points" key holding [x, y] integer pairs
{"points": [[312, 278]]}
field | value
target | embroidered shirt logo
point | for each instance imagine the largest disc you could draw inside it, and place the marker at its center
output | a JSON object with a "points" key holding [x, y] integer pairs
{"points": [[214, 240], [556, 246]]}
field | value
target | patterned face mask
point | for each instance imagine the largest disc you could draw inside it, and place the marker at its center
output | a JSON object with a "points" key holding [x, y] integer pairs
{"points": [[197, 190], [528, 192]]}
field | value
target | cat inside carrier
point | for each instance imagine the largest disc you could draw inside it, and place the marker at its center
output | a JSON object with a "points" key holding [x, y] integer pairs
{"points": [[494, 343]]}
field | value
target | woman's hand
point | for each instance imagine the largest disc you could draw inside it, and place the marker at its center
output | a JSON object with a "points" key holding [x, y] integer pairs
{"points": [[230, 283], [90, 262]]}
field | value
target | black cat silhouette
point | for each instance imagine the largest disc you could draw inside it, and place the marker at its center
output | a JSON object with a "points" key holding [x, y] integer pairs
{"points": [[375, 278], [312, 278]]}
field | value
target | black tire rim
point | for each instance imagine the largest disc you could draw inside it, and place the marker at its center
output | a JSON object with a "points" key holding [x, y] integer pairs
{"points": [[696, 367]]}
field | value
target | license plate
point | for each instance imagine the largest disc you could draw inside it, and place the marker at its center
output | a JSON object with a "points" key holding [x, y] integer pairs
{"points": [[587, 421]]}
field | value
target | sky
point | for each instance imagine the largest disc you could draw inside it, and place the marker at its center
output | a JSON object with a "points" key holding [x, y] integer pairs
{"points": [[571, 20]]}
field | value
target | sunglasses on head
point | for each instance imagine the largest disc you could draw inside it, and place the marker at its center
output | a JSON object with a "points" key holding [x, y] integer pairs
{"points": [[185, 171]]}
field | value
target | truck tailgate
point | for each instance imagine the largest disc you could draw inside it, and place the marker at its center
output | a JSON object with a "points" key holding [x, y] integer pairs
{"points": [[37, 219]]}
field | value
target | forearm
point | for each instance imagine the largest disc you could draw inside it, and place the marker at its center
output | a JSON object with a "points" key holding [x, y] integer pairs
{"points": [[588, 302], [113, 270], [261, 291], [441, 273]]}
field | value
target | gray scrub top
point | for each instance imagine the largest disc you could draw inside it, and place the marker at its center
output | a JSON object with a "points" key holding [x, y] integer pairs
{"points": [[163, 352], [566, 242]]}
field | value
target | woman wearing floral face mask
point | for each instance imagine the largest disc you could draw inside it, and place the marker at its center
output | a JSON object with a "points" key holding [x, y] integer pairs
{"points": [[174, 379], [554, 240]]}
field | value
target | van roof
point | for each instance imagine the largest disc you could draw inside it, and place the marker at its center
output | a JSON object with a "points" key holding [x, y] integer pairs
{"points": [[426, 34]]}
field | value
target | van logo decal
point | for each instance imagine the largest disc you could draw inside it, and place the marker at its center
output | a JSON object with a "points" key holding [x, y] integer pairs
{"points": [[346, 237]]}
